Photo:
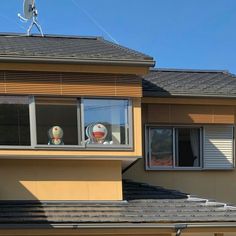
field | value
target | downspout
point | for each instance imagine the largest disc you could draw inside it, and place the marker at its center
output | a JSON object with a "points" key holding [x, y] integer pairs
{"points": [[179, 229]]}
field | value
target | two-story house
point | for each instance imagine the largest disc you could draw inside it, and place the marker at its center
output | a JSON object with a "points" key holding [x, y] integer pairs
{"points": [[77, 111]]}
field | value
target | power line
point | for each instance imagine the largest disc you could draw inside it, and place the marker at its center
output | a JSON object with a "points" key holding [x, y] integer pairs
{"points": [[94, 21]]}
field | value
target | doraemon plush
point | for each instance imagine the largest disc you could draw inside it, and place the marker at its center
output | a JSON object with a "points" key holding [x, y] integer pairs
{"points": [[96, 133], [55, 135]]}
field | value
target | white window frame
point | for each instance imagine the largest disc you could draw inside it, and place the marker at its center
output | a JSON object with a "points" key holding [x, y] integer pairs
{"points": [[173, 167]]}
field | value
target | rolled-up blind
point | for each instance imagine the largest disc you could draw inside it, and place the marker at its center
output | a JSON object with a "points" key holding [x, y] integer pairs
{"points": [[218, 151]]}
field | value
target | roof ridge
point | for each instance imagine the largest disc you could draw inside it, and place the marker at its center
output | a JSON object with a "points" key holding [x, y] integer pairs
{"points": [[48, 36]]}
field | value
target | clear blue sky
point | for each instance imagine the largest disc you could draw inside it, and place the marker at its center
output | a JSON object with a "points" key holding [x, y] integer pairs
{"points": [[198, 34]]}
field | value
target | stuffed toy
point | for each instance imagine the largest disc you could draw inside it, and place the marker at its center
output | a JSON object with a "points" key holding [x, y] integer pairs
{"points": [[96, 134], [55, 135]]}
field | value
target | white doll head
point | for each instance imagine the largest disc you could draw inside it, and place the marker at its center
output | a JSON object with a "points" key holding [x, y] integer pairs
{"points": [[55, 134]]}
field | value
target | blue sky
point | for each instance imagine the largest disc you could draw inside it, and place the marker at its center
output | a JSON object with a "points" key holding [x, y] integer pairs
{"points": [[197, 34]]}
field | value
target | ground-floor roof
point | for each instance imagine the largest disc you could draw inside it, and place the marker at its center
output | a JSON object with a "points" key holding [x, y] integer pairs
{"points": [[142, 204]]}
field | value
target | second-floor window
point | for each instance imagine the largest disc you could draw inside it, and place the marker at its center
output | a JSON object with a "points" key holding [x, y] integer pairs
{"points": [[43, 122], [14, 121], [106, 122]]}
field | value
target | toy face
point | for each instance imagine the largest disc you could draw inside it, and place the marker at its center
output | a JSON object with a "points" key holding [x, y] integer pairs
{"points": [[57, 132], [99, 131]]}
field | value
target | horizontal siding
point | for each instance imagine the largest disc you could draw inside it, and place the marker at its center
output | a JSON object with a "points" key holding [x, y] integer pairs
{"points": [[218, 147], [71, 84]]}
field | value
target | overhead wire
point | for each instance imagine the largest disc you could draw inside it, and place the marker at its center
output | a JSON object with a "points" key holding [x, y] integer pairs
{"points": [[94, 21]]}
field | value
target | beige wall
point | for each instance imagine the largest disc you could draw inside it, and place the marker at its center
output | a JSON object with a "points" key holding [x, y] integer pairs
{"points": [[219, 185], [60, 180]]}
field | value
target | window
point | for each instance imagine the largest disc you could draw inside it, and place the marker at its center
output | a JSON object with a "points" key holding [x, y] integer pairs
{"points": [[161, 147], [14, 121], [173, 147], [187, 147], [190, 147], [106, 122], [56, 122]]}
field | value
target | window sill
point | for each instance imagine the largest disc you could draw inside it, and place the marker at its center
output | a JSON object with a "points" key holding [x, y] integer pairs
{"points": [[189, 169], [68, 148]]}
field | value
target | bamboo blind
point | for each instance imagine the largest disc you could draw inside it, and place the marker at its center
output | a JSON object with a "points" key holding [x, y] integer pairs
{"points": [[71, 84]]}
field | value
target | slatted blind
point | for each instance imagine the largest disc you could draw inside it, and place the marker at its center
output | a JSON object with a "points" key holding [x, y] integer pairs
{"points": [[218, 151], [71, 84]]}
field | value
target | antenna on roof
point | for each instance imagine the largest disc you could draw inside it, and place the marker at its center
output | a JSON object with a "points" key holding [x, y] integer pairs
{"points": [[30, 13]]}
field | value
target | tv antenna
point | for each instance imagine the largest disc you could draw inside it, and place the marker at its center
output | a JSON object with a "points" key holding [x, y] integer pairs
{"points": [[30, 13]]}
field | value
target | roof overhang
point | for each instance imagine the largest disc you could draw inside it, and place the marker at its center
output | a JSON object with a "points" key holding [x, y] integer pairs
{"points": [[69, 60]]}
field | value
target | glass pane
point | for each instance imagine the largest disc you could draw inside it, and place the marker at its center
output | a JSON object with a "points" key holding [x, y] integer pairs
{"points": [[14, 124], [188, 147], [161, 147], [106, 121], [56, 121]]}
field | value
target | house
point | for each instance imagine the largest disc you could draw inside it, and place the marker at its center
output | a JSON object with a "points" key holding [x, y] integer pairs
{"points": [[73, 116]]}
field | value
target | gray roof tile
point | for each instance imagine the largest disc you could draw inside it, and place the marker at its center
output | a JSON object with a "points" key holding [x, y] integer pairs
{"points": [[144, 204], [171, 82], [66, 48]]}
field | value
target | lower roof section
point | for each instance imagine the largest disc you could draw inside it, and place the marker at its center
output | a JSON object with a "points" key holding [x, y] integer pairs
{"points": [[143, 204]]}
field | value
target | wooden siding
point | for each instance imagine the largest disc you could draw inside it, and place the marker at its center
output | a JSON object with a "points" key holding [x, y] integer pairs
{"points": [[188, 114], [70, 84]]}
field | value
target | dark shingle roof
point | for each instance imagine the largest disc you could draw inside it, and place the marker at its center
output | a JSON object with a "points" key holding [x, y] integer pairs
{"points": [[167, 83], [68, 49], [144, 204]]}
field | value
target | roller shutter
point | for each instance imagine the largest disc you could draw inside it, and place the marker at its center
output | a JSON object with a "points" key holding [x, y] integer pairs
{"points": [[218, 149]]}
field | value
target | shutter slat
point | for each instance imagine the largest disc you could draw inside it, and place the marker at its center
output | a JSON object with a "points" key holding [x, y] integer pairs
{"points": [[218, 147]]}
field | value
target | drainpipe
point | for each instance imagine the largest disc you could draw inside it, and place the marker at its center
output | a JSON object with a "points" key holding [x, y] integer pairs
{"points": [[179, 229]]}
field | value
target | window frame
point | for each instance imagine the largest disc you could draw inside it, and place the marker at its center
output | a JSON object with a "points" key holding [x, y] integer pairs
{"points": [[173, 167], [80, 122], [58, 147], [111, 147], [28, 98]]}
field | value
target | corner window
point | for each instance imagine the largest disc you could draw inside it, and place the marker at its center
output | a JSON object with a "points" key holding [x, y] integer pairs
{"points": [[14, 121], [173, 147], [56, 121], [106, 122]]}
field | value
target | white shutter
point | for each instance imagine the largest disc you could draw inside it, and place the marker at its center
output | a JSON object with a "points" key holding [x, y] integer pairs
{"points": [[218, 149]]}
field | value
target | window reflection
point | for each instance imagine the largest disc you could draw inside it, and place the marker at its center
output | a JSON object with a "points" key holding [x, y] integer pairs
{"points": [[161, 147], [106, 121]]}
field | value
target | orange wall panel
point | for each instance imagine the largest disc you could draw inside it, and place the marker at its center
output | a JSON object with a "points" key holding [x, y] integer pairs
{"points": [[189, 114]]}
